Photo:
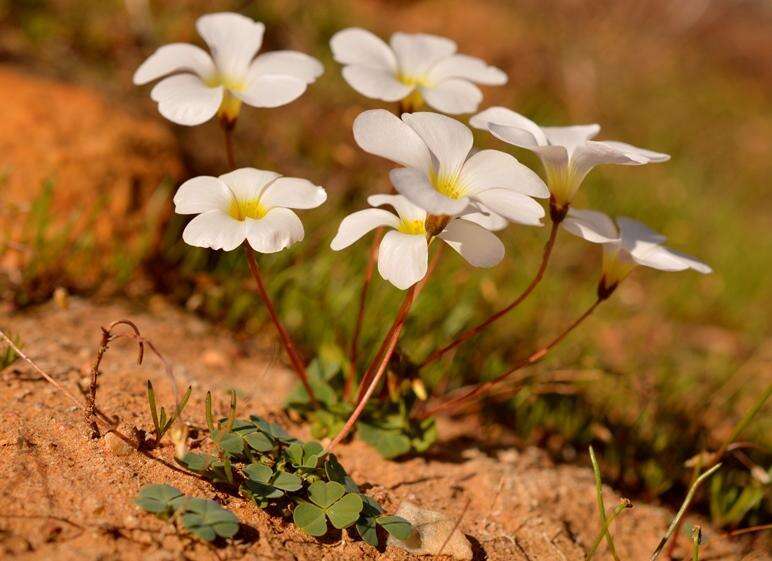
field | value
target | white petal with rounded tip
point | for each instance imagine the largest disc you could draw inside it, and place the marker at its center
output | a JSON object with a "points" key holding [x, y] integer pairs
{"points": [[405, 209], [375, 83], [202, 194], [448, 140], [234, 40], [248, 183], [359, 46], [216, 230], [474, 243], [570, 137], [418, 52], [177, 57], [415, 186], [403, 258], [666, 259], [277, 230], [292, 192], [184, 99], [482, 215], [489, 169], [381, 133], [467, 67], [632, 152], [359, 223], [513, 206], [453, 96], [271, 90], [288, 63], [632, 232], [506, 117], [590, 225]]}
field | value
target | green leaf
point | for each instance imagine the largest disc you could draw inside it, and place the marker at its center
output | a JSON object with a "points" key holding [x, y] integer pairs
{"points": [[368, 530], [325, 493], [259, 472], [427, 435], [396, 526], [207, 519], [287, 481], [158, 498], [304, 455], [198, 462], [310, 518], [345, 511], [336, 472], [389, 443], [258, 441], [231, 443], [273, 430]]}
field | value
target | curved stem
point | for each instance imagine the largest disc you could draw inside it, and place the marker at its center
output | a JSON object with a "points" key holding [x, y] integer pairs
{"points": [[289, 346], [469, 333], [378, 367], [533, 358]]}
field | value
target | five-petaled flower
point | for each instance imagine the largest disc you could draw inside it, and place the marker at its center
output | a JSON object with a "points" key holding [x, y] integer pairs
{"points": [[203, 85], [246, 204], [416, 68], [568, 153], [439, 175], [627, 243], [403, 252]]}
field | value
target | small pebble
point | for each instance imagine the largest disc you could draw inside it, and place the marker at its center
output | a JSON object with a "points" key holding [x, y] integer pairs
{"points": [[116, 446]]}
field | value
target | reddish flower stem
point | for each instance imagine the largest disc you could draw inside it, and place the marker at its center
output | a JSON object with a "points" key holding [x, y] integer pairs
{"points": [[469, 333], [289, 346], [533, 358]]}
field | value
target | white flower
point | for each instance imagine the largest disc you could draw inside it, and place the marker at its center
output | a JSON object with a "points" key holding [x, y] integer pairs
{"points": [[440, 177], [246, 204], [201, 85], [567, 153], [416, 68], [627, 244], [403, 253]]}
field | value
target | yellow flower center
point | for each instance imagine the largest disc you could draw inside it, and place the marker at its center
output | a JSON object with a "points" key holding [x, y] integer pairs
{"points": [[413, 227], [415, 100], [448, 185], [241, 210]]}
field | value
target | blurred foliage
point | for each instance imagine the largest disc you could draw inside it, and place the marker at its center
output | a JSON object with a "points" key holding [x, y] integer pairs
{"points": [[667, 366]]}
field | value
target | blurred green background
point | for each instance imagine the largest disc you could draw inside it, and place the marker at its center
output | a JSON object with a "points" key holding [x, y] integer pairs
{"points": [[662, 371]]}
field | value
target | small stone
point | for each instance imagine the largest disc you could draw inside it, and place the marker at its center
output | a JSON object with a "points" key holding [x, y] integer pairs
{"points": [[214, 359], [116, 446], [432, 531]]}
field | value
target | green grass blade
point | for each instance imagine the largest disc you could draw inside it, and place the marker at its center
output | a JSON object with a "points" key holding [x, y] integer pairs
{"points": [[601, 507]]}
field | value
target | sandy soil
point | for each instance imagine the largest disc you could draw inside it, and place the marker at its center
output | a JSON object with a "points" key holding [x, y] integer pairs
{"points": [[66, 496]]}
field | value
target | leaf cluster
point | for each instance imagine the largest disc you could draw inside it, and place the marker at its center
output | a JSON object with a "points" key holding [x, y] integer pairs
{"points": [[203, 518]]}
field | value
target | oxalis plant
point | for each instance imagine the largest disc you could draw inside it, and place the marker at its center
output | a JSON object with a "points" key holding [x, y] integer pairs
{"points": [[444, 193]]}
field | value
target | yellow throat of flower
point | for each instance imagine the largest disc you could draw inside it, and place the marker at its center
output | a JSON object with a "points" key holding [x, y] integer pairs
{"points": [[241, 210], [448, 185], [562, 184], [414, 101], [229, 107], [412, 227]]}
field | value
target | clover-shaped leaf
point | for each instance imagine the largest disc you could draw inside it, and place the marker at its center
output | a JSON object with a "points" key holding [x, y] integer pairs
{"points": [[198, 462], [396, 526], [207, 519], [366, 524], [389, 442], [252, 435], [272, 430], [304, 455], [336, 472], [329, 500], [159, 499], [263, 484], [230, 443]]}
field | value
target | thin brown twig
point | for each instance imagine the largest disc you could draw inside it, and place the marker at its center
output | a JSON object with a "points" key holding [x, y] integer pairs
{"points": [[455, 526], [469, 333], [289, 346], [533, 358], [749, 529]]}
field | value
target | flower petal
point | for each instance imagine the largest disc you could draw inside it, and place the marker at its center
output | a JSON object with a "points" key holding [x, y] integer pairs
{"points": [[288, 63], [405, 209], [570, 137], [666, 259], [359, 223], [293, 192], [248, 183], [502, 116], [513, 206], [177, 57], [590, 225], [358, 46], [448, 140], [184, 99], [633, 232], [234, 40], [494, 169], [415, 186], [482, 215], [469, 68], [216, 230], [633, 151], [202, 194], [418, 52], [474, 243], [592, 153], [403, 258], [376, 83], [553, 156], [453, 96], [277, 230], [381, 133], [271, 90]]}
